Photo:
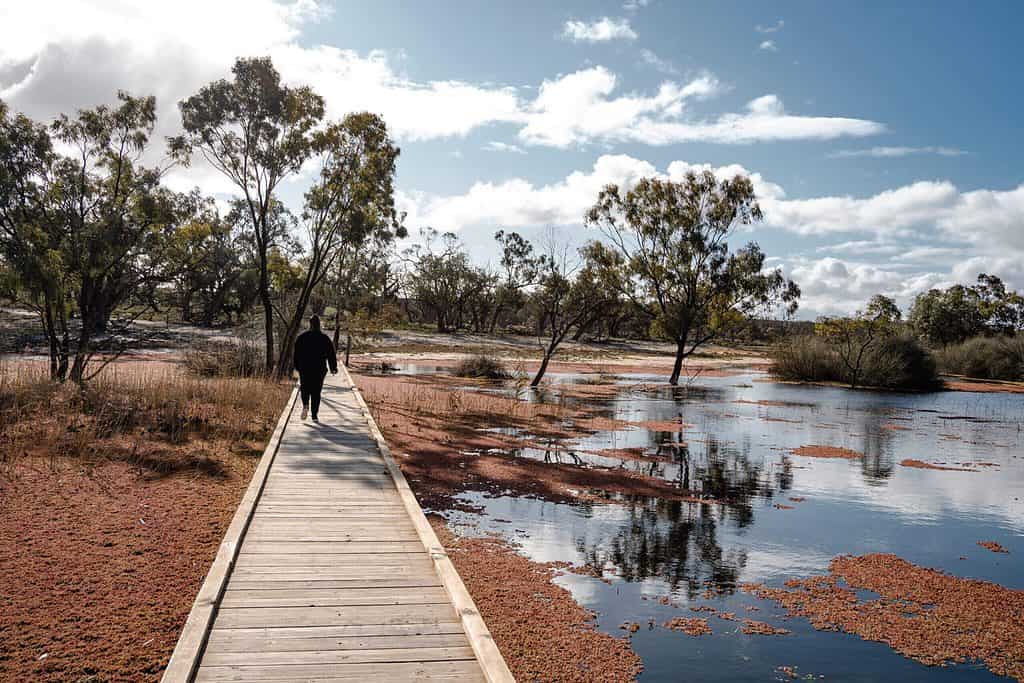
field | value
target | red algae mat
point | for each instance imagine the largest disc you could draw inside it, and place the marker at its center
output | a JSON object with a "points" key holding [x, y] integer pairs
{"points": [[925, 614], [542, 632], [99, 567], [814, 451], [921, 465]]}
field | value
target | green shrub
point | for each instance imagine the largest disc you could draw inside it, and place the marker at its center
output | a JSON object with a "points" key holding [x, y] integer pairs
{"points": [[897, 362], [805, 358], [985, 358], [901, 362], [482, 367]]}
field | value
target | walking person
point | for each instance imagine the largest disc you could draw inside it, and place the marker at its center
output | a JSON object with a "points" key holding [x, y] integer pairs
{"points": [[314, 353]]}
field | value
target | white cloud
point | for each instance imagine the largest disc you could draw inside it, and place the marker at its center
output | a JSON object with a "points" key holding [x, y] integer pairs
{"points": [[768, 46], [992, 218], [56, 57], [580, 107], [600, 31], [830, 286], [773, 28], [649, 58], [634, 5], [892, 212], [890, 152], [413, 110], [924, 235], [495, 146], [518, 202]]}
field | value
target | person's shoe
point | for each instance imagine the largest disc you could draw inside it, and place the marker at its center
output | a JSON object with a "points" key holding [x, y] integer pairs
{"points": [[305, 410], [315, 419]]}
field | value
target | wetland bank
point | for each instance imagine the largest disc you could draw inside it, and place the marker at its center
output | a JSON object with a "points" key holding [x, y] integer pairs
{"points": [[733, 527]]}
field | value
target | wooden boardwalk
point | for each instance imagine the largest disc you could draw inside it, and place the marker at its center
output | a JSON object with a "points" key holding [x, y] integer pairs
{"points": [[334, 573]]}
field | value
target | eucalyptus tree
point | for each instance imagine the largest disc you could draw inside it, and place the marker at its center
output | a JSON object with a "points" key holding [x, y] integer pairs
{"points": [[32, 272], [351, 202], [668, 254], [519, 269], [443, 280], [99, 233], [571, 294], [256, 132], [854, 338]]}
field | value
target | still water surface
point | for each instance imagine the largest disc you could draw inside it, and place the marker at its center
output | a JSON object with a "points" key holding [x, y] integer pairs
{"points": [[734, 443]]}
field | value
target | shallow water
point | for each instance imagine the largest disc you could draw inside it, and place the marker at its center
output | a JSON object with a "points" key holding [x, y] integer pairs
{"points": [[732, 445]]}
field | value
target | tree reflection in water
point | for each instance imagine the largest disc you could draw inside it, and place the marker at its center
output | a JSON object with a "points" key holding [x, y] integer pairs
{"points": [[674, 541]]}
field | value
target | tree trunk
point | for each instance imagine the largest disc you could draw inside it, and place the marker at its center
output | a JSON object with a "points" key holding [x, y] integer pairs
{"points": [[348, 347], [268, 314], [677, 368], [337, 325], [543, 368]]}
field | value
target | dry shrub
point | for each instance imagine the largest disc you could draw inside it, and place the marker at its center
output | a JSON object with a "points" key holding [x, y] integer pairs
{"points": [[132, 412], [243, 358], [482, 367]]}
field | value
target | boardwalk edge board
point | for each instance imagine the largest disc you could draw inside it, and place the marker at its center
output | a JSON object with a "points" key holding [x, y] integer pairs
{"points": [[490, 658], [187, 653]]}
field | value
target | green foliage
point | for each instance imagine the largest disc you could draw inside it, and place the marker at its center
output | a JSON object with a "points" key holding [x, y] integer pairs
{"points": [[958, 313], [669, 255], [256, 132], [89, 231], [854, 340], [1000, 358]]}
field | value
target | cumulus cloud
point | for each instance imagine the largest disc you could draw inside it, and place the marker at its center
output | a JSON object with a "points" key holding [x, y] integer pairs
{"points": [[831, 286], [922, 235], [768, 46], [519, 202], [891, 152], [600, 31], [580, 107], [55, 59]]}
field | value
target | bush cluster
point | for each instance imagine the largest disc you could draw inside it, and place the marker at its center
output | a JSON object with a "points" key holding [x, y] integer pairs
{"points": [[482, 367], [985, 358], [897, 362]]}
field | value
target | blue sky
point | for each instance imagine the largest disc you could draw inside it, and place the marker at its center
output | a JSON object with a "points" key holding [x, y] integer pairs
{"points": [[882, 137]]}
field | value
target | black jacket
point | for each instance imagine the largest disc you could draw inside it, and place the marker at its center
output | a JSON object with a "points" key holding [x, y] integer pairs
{"points": [[314, 352]]}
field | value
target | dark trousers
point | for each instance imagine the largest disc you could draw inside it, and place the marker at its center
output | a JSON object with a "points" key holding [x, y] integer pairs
{"points": [[310, 386]]}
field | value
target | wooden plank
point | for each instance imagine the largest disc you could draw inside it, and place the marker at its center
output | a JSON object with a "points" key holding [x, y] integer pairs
{"points": [[288, 633], [356, 547], [332, 597], [325, 559], [337, 673], [248, 617], [289, 582], [219, 642], [320, 657]]}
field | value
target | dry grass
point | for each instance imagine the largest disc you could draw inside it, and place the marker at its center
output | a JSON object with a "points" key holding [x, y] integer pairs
{"points": [[151, 414], [459, 406]]}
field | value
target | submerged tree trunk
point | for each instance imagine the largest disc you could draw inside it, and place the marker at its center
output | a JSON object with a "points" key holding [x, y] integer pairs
{"points": [[677, 368], [543, 367]]}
